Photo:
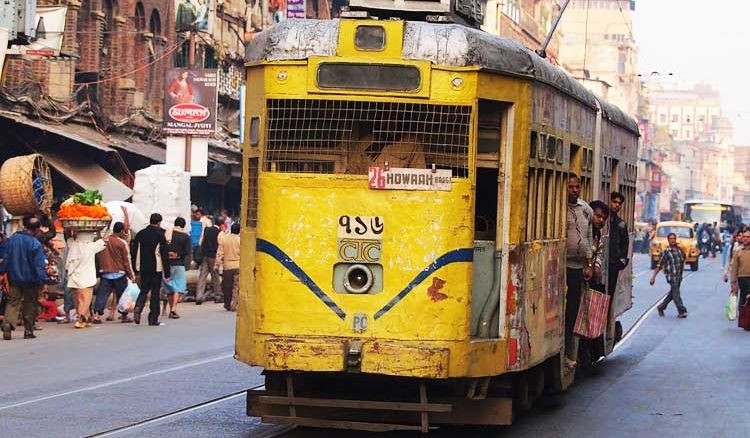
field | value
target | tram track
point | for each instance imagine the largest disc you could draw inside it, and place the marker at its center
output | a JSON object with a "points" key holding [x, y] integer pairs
{"points": [[176, 413]]}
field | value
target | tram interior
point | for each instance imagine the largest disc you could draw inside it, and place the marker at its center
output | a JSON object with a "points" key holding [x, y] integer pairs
{"points": [[485, 299]]}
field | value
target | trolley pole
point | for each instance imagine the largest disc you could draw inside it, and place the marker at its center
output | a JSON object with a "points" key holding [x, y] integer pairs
{"points": [[543, 50]]}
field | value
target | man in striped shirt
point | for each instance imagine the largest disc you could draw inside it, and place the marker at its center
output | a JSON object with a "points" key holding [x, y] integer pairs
{"points": [[672, 262]]}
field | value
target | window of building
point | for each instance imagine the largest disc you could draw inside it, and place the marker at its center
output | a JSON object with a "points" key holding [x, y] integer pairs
{"points": [[688, 134], [140, 17], [512, 8], [674, 133], [663, 118], [675, 118]]}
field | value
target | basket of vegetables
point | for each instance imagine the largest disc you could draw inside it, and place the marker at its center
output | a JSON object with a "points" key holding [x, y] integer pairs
{"points": [[84, 212]]}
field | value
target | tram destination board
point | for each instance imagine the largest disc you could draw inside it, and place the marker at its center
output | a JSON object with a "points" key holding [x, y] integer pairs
{"points": [[381, 178]]}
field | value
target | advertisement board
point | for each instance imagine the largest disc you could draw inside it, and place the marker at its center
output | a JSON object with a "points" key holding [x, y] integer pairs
{"points": [[295, 9], [190, 101], [192, 15]]}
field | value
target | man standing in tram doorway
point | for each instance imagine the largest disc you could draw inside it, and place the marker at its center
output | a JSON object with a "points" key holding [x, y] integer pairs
{"points": [[618, 241], [578, 262], [672, 262]]}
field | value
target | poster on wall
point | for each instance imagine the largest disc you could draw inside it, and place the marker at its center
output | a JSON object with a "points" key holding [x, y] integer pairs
{"points": [[192, 15], [190, 101], [295, 9]]}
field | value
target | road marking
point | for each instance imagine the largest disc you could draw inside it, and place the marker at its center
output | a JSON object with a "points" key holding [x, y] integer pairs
{"points": [[116, 382]]}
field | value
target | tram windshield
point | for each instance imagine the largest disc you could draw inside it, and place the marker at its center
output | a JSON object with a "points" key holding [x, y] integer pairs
{"points": [[685, 232]]}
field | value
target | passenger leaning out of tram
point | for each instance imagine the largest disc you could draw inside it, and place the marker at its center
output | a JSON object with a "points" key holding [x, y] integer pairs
{"points": [[579, 268], [598, 221]]}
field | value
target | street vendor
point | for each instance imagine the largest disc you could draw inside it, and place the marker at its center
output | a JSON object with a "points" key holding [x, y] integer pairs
{"points": [[81, 267], [86, 210]]}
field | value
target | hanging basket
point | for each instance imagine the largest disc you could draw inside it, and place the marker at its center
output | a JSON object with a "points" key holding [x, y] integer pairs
{"points": [[26, 185]]}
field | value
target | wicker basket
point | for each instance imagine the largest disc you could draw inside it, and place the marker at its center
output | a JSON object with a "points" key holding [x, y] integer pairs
{"points": [[26, 185], [84, 224]]}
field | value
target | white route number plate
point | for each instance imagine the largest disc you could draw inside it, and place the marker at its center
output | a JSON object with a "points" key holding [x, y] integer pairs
{"points": [[359, 323], [409, 179]]}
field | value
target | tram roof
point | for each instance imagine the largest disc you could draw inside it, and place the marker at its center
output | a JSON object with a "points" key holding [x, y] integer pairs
{"points": [[450, 45]]}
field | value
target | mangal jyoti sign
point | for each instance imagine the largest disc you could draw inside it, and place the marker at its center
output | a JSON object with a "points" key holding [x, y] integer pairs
{"points": [[190, 102]]}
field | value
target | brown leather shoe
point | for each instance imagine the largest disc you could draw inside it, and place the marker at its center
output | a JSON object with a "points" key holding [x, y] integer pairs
{"points": [[682, 315], [660, 310], [7, 335]]}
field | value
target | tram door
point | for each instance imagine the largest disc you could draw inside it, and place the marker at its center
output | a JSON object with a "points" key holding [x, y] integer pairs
{"points": [[489, 231]]}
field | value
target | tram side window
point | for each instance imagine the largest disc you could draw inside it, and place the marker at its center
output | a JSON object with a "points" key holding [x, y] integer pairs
{"points": [[348, 137], [545, 193]]}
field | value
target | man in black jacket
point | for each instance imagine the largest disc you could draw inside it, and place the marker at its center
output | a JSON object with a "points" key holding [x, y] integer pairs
{"points": [[619, 240], [209, 247], [150, 255]]}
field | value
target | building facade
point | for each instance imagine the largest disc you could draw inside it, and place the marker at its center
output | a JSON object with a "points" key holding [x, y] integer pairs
{"points": [[526, 21], [599, 49], [741, 195], [697, 141]]}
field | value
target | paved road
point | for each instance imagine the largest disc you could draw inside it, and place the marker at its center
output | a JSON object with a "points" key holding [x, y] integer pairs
{"points": [[673, 377]]}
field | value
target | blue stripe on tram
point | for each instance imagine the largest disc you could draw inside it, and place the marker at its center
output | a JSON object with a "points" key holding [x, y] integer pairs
{"points": [[455, 256], [275, 252]]}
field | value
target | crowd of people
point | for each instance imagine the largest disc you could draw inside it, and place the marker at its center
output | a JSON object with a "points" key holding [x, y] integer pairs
{"points": [[91, 272]]}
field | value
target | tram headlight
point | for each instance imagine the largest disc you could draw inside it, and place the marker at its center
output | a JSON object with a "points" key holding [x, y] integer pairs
{"points": [[282, 75], [457, 83], [358, 279]]}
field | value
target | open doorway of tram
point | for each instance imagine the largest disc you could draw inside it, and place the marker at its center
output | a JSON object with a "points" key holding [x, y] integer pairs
{"points": [[492, 141]]}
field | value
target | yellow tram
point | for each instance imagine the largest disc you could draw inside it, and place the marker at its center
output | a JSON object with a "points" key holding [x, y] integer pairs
{"points": [[404, 221]]}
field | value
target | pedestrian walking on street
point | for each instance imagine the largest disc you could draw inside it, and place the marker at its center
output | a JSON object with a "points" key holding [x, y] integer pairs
{"points": [[228, 259], [115, 269], [25, 264], [619, 242], [151, 260], [209, 247], [672, 262], [578, 262], [741, 269], [80, 265], [179, 251]]}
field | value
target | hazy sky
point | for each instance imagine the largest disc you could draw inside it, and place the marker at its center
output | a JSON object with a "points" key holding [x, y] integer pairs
{"points": [[700, 41]]}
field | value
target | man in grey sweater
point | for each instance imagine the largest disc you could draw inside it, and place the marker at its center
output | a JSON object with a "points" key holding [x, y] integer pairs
{"points": [[578, 262]]}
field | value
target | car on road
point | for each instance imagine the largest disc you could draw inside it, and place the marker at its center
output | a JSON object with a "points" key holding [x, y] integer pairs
{"points": [[686, 239]]}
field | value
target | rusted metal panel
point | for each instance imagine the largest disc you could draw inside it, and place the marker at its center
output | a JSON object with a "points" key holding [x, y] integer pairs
{"points": [[294, 354], [423, 361], [486, 412], [518, 340]]}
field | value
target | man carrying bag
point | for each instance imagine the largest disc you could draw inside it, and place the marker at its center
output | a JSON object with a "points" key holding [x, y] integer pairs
{"points": [[741, 279]]}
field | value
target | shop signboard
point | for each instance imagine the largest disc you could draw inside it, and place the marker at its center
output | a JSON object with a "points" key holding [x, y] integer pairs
{"points": [[190, 102]]}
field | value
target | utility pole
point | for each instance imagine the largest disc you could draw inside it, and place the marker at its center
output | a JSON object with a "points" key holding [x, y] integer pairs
{"points": [[189, 138]]}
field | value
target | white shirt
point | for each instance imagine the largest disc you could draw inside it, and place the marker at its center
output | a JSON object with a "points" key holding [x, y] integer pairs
{"points": [[81, 263]]}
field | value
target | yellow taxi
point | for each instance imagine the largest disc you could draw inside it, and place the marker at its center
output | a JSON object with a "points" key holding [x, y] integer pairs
{"points": [[686, 239]]}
